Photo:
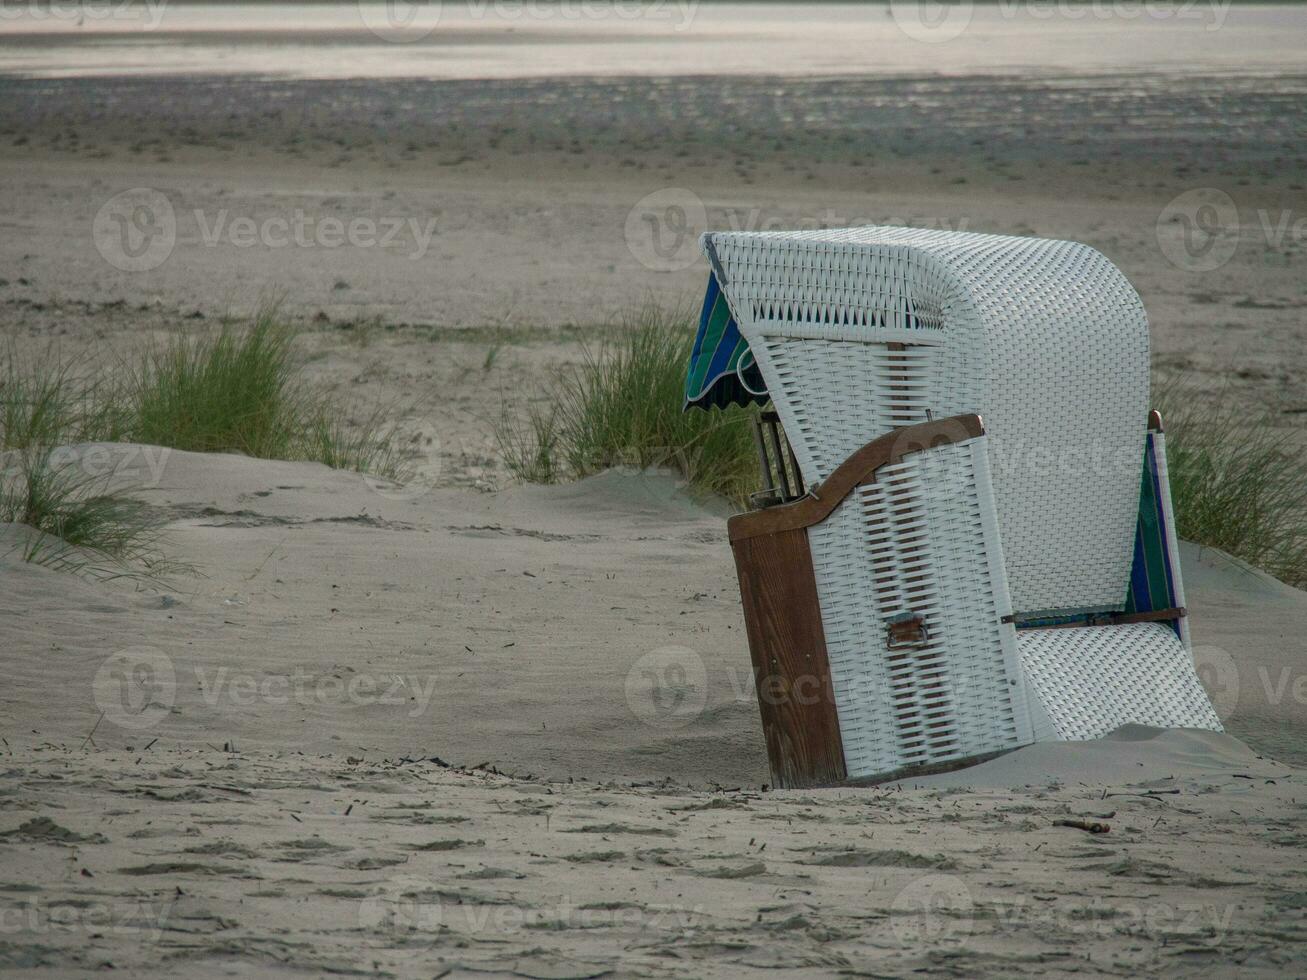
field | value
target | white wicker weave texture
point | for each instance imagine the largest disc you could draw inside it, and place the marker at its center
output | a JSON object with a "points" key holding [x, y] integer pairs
{"points": [[1046, 339], [1096, 679], [917, 541]]}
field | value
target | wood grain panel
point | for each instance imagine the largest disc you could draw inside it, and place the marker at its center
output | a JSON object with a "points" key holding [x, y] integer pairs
{"points": [[790, 667]]}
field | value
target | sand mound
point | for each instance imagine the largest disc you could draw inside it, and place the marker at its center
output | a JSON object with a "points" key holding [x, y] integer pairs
{"points": [[1131, 756], [589, 630]]}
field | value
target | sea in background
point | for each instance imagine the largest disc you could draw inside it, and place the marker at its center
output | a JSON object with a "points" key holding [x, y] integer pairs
{"points": [[475, 39]]}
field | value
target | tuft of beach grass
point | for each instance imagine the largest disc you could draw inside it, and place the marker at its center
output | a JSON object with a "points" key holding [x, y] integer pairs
{"points": [[236, 389], [1235, 482], [621, 407], [78, 522]]}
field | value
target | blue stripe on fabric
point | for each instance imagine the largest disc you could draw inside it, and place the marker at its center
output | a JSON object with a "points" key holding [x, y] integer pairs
{"points": [[705, 317], [1162, 532], [713, 372], [1140, 595]]}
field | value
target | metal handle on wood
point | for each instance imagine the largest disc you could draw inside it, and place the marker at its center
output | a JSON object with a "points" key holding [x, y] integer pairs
{"points": [[906, 632]]}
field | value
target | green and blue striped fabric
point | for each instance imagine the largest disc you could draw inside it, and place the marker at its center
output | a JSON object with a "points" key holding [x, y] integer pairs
{"points": [[1152, 577], [713, 378]]}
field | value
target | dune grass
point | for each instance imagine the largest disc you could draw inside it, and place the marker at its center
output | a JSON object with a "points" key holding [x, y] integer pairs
{"points": [[80, 523], [49, 402], [229, 391], [621, 407], [1234, 483], [236, 389]]}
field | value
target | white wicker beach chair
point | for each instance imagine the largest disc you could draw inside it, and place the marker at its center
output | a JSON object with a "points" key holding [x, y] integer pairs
{"points": [[978, 590]]}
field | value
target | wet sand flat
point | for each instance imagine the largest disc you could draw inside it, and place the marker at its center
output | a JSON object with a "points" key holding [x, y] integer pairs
{"points": [[539, 203]]}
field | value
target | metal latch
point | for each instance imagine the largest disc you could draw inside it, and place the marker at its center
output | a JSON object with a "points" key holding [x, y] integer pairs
{"points": [[906, 631]]}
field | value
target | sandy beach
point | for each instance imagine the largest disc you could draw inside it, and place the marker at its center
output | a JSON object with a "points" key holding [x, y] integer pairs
{"points": [[537, 204], [464, 726], [204, 863]]}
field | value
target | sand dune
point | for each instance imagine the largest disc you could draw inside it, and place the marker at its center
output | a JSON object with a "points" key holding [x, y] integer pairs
{"points": [[435, 731], [585, 630]]}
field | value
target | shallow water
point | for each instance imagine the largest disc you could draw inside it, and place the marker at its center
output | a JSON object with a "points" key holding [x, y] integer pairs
{"points": [[530, 38]]}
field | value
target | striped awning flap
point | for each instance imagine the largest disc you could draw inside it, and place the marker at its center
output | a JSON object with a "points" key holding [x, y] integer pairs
{"points": [[1152, 578], [722, 370], [1152, 574]]}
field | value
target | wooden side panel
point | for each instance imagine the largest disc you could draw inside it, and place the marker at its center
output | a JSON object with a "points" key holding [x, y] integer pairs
{"points": [[790, 668]]}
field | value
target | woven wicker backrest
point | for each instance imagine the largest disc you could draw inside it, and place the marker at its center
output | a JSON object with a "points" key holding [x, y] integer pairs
{"points": [[860, 330]]}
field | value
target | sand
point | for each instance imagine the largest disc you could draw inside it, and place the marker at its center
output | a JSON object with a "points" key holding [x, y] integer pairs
{"points": [[590, 630], [182, 862], [536, 203], [454, 732], [465, 726]]}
